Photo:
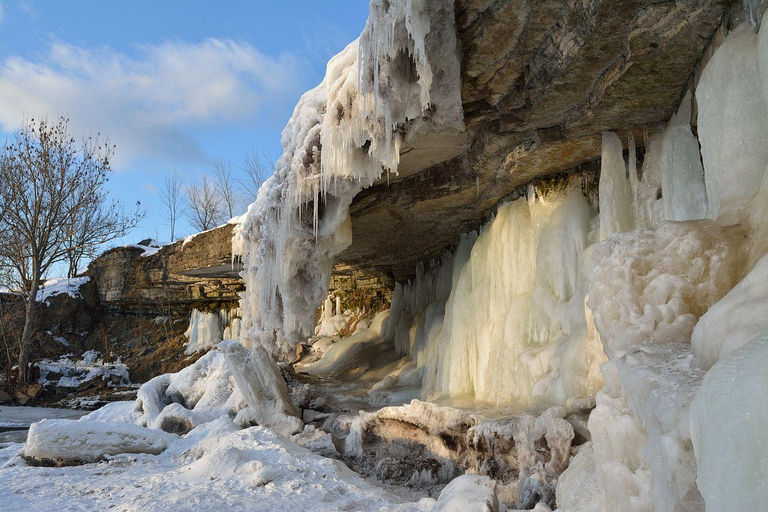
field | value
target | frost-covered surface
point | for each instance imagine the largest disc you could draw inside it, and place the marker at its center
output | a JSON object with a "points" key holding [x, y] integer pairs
{"points": [[342, 136], [74, 374], [208, 328], [728, 425], [61, 285]]}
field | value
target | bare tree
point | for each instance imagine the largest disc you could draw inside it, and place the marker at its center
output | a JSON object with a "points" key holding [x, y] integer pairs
{"points": [[95, 224], [255, 172], [172, 198], [50, 186], [226, 187], [204, 205]]}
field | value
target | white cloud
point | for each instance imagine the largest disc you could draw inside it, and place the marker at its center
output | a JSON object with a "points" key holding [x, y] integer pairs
{"points": [[147, 104]]}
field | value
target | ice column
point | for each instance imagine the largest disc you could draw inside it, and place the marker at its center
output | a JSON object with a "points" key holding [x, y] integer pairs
{"points": [[615, 194], [733, 124]]}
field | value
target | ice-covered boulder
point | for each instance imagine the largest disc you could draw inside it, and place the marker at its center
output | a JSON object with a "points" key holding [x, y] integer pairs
{"points": [[67, 442], [206, 389], [577, 487], [468, 493], [261, 383]]}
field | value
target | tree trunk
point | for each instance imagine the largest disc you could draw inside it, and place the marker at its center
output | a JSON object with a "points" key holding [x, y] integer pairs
{"points": [[26, 337]]}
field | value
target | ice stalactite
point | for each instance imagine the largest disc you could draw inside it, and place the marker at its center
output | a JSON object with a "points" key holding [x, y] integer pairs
{"points": [[682, 175], [648, 205], [400, 80], [733, 123]]}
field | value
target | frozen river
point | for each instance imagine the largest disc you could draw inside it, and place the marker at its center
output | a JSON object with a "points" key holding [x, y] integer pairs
{"points": [[15, 421]]}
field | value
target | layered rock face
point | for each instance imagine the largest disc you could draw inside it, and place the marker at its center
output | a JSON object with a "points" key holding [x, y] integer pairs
{"points": [[540, 81], [182, 275]]}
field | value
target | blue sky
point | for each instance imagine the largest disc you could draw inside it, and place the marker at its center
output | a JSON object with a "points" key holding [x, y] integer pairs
{"points": [[173, 83]]}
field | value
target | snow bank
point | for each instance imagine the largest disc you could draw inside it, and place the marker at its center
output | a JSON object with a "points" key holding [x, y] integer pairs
{"points": [[217, 466], [61, 285], [728, 427], [71, 442]]}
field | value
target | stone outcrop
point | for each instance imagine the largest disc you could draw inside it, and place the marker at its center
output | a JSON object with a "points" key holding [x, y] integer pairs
{"points": [[189, 273], [541, 80]]}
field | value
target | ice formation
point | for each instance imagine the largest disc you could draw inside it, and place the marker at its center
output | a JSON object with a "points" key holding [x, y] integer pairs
{"points": [[733, 123], [401, 79], [208, 328], [72, 442], [682, 175], [615, 194], [520, 298], [728, 426], [633, 297], [740, 316], [261, 383]]}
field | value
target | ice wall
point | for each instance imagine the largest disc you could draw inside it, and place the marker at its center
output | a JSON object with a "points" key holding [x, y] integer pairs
{"points": [[402, 78], [672, 300], [728, 423], [515, 329]]}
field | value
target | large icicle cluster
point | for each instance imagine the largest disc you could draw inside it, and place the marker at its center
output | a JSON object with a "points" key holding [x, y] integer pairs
{"points": [[400, 79]]}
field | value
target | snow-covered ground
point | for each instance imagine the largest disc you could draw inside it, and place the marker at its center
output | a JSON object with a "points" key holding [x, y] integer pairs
{"points": [[217, 466]]}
